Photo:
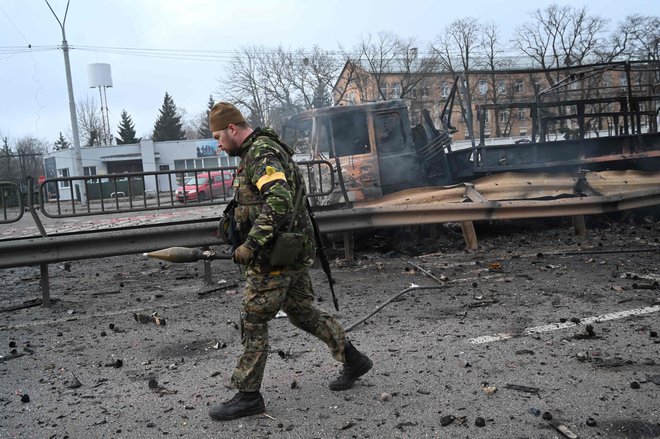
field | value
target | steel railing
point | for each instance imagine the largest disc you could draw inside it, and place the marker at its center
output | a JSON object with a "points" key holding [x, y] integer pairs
{"points": [[62, 197], [11, 202]]}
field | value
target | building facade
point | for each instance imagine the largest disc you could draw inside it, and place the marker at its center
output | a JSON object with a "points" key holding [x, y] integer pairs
{"points": [[486, 96], [145, 156]]}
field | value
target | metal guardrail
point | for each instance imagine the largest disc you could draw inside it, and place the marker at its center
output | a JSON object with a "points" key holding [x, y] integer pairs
{"points": [[200, 233], [106, 243], [11, 202]]}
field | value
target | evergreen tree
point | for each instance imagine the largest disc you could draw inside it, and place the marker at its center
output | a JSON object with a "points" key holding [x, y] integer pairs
{"points": [[168, 126], [126, 130], [204, 131], [61, 143]]}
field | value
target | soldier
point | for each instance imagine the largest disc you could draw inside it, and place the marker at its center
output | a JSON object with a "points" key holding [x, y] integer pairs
{"points": [[269, 195]]}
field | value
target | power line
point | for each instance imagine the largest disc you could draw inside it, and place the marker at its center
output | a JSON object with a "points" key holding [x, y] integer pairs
{"points": [[15, 27]]}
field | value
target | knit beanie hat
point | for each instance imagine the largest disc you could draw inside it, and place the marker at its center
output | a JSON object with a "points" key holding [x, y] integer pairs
{"points": [[222, 114]]}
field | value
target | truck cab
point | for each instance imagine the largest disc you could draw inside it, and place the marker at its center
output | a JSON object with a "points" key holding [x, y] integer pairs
{"points": [[370, 147]]}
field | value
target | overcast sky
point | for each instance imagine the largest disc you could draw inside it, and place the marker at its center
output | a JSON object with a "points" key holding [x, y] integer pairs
{"points": [[33, 93]]}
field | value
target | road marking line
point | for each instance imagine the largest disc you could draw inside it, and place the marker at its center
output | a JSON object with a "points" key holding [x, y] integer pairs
{"points": [[556, 326]]}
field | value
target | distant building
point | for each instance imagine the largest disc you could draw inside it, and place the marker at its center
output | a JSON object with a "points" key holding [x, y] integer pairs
{"points": [[146, 156], [429, 87]]}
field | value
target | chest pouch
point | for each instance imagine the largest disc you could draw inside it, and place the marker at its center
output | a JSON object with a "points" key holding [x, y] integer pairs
{"points": [[287, 244]]}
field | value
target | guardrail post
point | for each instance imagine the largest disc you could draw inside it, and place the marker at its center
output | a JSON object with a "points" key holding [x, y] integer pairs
{"points": [[208, 274], [579, 225], [348, 247], [469, 235], [45, 285]]}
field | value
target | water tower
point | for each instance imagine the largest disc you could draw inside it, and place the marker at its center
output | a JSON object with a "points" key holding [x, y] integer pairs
{"points": [[100, 77]]}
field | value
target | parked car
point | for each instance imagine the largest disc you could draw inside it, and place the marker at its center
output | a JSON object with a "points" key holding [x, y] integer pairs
{"points": [[205, 186]]}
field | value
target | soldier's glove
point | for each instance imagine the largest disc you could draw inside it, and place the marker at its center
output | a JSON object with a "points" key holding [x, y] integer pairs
{"points": [[242, 255]]}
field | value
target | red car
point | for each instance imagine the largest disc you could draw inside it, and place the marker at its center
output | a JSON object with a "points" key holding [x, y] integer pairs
{"points": [[201, 187]]}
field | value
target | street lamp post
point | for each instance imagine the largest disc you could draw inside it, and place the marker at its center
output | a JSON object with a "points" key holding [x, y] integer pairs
{"points": [[78, 167]]}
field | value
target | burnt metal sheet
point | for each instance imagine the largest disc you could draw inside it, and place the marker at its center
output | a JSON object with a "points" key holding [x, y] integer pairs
{"points": [[520, 186], [434, 213]]}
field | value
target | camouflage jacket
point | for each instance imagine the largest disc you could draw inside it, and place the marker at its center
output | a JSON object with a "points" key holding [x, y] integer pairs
{"points": [[266, 183]]}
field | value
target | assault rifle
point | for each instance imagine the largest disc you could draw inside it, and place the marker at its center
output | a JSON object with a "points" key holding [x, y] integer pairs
{"points": [[321, 253]]}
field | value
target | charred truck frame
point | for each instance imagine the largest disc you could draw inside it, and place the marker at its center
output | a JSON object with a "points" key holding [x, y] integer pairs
{"points": [[375, 151]]}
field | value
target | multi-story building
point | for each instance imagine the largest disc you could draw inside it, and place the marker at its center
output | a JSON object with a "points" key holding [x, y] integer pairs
{"points": [[487, 96]]}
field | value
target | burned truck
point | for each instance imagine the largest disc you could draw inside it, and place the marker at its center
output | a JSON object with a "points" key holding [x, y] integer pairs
{"points": [[371, 150]]}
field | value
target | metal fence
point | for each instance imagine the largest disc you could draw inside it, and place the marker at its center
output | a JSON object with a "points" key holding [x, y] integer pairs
{"points": [[11, 202], [64, 197]]}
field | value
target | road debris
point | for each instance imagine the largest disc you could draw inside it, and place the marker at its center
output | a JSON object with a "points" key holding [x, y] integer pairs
{"points": [[151, 318], [563, 430], [489, 390], [75, 382], [533, 390], [446, 420], [11, 355], [480, 422]]}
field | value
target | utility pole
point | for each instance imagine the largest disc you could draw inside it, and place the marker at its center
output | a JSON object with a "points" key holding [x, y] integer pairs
{"points": [[78, 167]]}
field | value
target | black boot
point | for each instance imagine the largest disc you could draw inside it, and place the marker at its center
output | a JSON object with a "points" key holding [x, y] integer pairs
{"points": [[242, 404], [357, 364]]}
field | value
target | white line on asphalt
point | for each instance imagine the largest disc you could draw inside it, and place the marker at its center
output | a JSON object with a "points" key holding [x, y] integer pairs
{"points": [[556, 326]]}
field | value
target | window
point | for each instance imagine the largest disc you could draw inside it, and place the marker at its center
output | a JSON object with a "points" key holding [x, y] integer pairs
{"points": [[522, 114], [501, 86], [164, 167], [486, 116], [389, 132], [90, 170], [483, 87], [64, 172], [396, 90], [426, 92], [444, 89], [523, 131], [519, 86], [347, 133], [211, 162], [504, 115]]}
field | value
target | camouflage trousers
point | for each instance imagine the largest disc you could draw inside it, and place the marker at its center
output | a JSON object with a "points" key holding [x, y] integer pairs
{"points": [[264, 296]]}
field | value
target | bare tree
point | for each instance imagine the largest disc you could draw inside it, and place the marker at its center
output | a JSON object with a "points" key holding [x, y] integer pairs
{"points": [[89, 121], [275, 83], [498, 88], [6, 159], [560, 36], [457, 47], [316, 72], [243, 84], [29, 152], [636, 37], [379, 56]]}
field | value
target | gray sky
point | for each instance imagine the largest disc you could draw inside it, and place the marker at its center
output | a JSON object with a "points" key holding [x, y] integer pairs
{"points": [[33, 94]]}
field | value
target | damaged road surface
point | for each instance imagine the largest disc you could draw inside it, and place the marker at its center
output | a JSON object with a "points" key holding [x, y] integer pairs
{"points": [[87, 367]]}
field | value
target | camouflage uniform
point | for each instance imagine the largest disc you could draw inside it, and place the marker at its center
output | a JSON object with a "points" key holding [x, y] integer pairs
{"points": [[265, 185]]}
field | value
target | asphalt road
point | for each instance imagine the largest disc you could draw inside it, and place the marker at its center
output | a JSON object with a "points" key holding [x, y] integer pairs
{"points": [[506, 331]]}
